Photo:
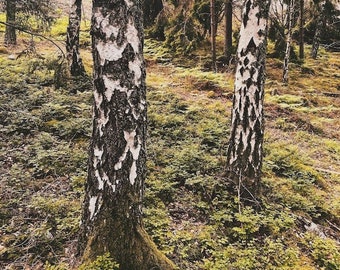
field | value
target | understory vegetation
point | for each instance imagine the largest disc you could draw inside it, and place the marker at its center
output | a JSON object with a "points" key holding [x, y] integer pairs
{"points": [[189, 212]]}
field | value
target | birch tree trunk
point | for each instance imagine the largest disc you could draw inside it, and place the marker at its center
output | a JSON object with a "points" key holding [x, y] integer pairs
{"points": [[213, 33], [228, 15], [10, 34], [290, 19], [317, 35], [112, 209], [244, 155], [75, 62]]}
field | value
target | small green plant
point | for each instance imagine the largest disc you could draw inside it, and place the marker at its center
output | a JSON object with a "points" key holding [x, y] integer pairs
{"points": [[104, 262], [324, 251], [49, 266]]}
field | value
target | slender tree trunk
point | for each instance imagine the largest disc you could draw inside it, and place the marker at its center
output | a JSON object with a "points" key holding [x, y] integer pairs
{"points": [[213, 33], [10, 34], [317, 35], [301, 31], [290, 19], [228, 15], [244, 155], [75, 62], [112, 209]]}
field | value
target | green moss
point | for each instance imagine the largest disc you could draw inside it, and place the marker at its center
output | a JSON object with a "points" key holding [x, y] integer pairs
{"points": [[104, 262], [59, 28]]}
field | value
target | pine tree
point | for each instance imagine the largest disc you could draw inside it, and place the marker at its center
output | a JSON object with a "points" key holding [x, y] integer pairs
{"points": [[228, 15], [10, 34]]}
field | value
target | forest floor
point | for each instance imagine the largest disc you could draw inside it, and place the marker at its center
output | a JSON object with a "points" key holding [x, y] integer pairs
{"points": [[189, 213]]}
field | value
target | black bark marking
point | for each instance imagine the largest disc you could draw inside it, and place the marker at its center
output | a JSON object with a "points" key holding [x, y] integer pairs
{"points": [[249, 82], [252, 71], [246, 14], [241, 70], [253, 114], [246, 61]]}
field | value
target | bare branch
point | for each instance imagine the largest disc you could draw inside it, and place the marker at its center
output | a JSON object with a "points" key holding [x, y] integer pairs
{"points": [[20, 28]]}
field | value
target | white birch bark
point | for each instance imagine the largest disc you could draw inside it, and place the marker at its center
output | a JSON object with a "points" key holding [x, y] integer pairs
{"points": [[244, 155], [290, 18], [112, 209], [76, 66]]}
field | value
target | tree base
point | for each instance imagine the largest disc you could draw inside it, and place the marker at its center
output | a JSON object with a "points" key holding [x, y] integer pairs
{"points": [[132, 249]]}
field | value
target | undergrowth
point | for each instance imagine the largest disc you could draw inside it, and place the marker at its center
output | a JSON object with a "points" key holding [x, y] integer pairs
{"points": [[188, 209]]}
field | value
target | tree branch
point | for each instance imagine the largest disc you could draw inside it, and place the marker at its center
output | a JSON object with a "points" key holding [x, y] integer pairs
{"points": [[20, 28]]}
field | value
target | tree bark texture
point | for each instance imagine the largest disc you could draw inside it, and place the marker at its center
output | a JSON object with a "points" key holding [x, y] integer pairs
{"points": [[244, 154], [10, 34], [75, 62], [213, 33], [228, 15], [301, 31], [290, 18], [317, 35], [112, 209]]}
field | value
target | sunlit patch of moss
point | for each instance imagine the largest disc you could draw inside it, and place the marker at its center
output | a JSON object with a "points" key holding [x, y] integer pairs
{"points": [[59, 28], [287, 100], [194, 75], [3, 19]]}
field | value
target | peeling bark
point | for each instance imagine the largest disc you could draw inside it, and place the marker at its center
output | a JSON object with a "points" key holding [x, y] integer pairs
{"points": [[75, 62], [244, 155], [112, 209]]}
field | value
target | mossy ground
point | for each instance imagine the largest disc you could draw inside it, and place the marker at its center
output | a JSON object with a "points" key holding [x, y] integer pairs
{"points": [[189, 212]]}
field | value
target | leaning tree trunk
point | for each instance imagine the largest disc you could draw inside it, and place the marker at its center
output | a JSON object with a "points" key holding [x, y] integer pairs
{"points": [[213, 33], [112, 209], [10, 34], [75, 63], [244, 155], [301, 30], [228, 15], [317, 35], [290, 19]]}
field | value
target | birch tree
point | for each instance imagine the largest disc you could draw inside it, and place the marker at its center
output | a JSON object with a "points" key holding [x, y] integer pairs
{"points": [[290, 18], [75, 63], [244, 154], [112, 209]]}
